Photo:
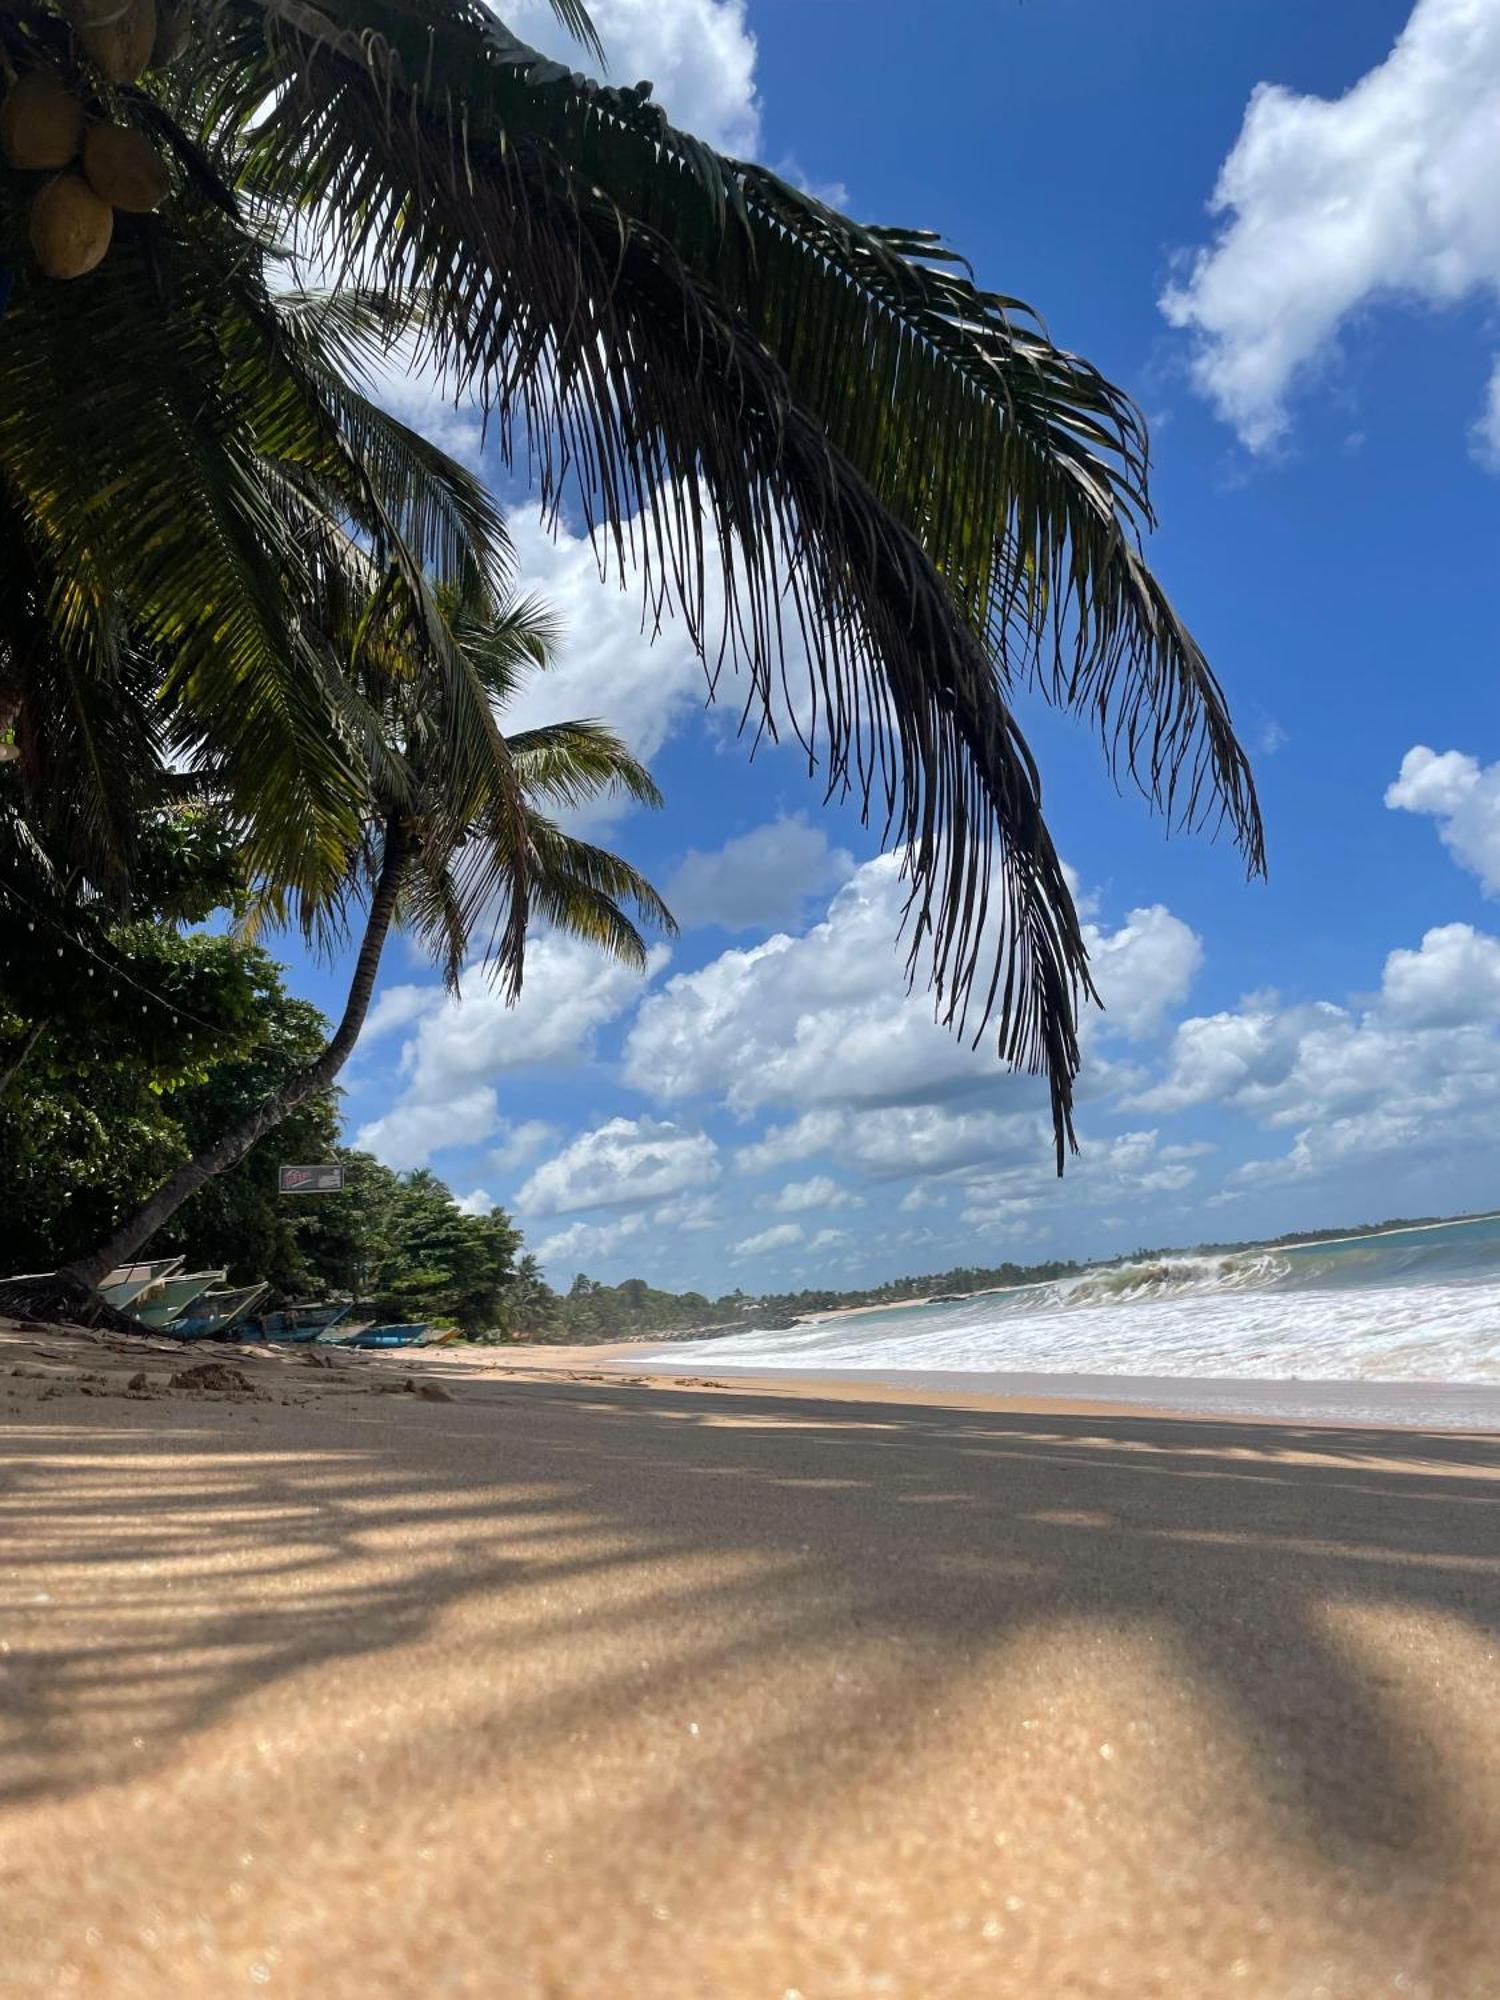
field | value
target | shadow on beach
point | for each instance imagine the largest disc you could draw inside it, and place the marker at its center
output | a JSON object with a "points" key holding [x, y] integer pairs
{"points": [[604, 1550]]}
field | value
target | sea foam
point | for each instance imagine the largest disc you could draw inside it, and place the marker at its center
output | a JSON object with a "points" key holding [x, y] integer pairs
{"points": [[1407, 1305]]}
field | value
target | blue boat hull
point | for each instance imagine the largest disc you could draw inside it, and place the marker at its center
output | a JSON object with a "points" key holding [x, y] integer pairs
{"points": [[297, 1326], [384, 1336]]}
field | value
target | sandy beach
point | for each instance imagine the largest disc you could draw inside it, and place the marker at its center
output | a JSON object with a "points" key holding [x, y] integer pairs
{"points": [[555, 1682]]}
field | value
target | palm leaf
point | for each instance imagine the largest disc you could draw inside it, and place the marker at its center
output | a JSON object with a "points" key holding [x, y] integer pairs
{"points": [[572, 763], [896, 476]]}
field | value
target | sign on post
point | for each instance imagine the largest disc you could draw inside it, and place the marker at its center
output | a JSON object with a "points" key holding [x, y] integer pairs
{"points": [[312, 1180]]}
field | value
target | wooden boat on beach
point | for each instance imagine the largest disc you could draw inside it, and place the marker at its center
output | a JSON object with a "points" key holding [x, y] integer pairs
{"points": [[297, 1325], [127, 1283], [216, 1314], [169, 1299], [385, 1336]]}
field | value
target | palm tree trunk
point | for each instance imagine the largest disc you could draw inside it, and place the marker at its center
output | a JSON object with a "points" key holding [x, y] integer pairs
{"points": [[232, 1147]]}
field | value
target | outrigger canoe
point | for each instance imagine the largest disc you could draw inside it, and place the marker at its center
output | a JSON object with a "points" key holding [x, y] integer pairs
{"points": [[297, 1324], [216, 1314], [384, 1336], [172, 1297], [127, 1283]]}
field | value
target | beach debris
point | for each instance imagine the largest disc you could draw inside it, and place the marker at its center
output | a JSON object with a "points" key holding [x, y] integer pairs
{"points": [[124, 169], [215, 1377], [430, 1392], [70, 227], [116, 35], [41, 121]]}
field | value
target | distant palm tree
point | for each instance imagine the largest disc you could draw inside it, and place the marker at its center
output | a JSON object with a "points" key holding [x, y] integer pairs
{"points": [[530, 1300], [895, 475], [458, 852]]}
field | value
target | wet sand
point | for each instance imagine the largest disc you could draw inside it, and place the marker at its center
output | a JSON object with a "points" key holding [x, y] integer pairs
{"points": [[556, 1686]]}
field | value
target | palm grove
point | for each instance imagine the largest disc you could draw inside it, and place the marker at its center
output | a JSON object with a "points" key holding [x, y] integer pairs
{"points": [[257, 637]]}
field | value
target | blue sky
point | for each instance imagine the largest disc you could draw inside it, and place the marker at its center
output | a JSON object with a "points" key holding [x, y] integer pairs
{"points": [[1316, 356]]}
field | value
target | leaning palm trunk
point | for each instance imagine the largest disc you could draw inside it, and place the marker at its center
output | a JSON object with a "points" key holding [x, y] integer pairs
{"points": [[468, 843], [233, 1145]]}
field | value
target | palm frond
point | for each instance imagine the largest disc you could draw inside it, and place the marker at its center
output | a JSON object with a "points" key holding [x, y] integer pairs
{"points": [[445, 516], [585, 892], [481, 867], [573, 763], [508, 645], [127, 477], [894, 475], [575, 17]]}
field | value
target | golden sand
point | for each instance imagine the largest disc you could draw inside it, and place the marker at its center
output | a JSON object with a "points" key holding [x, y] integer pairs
{"points": [[594, 1687]]}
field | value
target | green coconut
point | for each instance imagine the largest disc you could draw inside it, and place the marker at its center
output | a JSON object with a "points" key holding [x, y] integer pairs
{"points": [[41, 122], [124, 168], [70, 227], [116, 35], [174, 28]]}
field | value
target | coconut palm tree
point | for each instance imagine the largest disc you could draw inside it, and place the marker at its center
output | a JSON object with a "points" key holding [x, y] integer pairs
{"points": [[821, 442], [158, 647], [173, 511], [459, 854]]}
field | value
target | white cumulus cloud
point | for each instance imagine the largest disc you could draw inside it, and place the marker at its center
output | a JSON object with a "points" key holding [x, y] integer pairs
{"points": [[1416, 1071], [1145, 968], [759, 878], [699, 56], [625, 1163], [464, 1041], [827, 1238], [825, 1019], [1463, 796], [780, 1236], [519, 1143], [568, 1248], [413, 1131], [608, 668], [822, 1191], [1386, 193]]}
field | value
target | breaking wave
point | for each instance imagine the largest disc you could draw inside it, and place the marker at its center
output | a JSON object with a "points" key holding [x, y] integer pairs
{"points": [[1418, 1304]]}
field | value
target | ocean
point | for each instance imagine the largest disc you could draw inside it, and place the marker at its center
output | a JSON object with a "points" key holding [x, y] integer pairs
{"points": [[1400, 1326]]}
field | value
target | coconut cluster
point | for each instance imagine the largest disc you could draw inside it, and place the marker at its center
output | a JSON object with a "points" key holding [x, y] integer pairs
{"points": [[98, 166]]}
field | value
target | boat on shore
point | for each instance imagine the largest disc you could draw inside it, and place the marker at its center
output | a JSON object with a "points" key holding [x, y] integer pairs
{"points": [[167, 1301], [217, 1313], [298, 1324], [127, 1284], [404, 1335]]}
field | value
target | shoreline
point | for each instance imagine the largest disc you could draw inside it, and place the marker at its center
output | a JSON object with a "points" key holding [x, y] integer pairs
{"points": [[1404, 1406]]}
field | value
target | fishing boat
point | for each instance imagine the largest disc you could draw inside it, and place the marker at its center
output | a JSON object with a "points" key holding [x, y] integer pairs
{"points": [[169, 1299], [127, 1283], [216, 1314], [297, 1324], [384, 1336]]}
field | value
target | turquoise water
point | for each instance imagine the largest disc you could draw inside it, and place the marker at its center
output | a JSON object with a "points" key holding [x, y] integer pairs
{"points": [[1407, 1306]]}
